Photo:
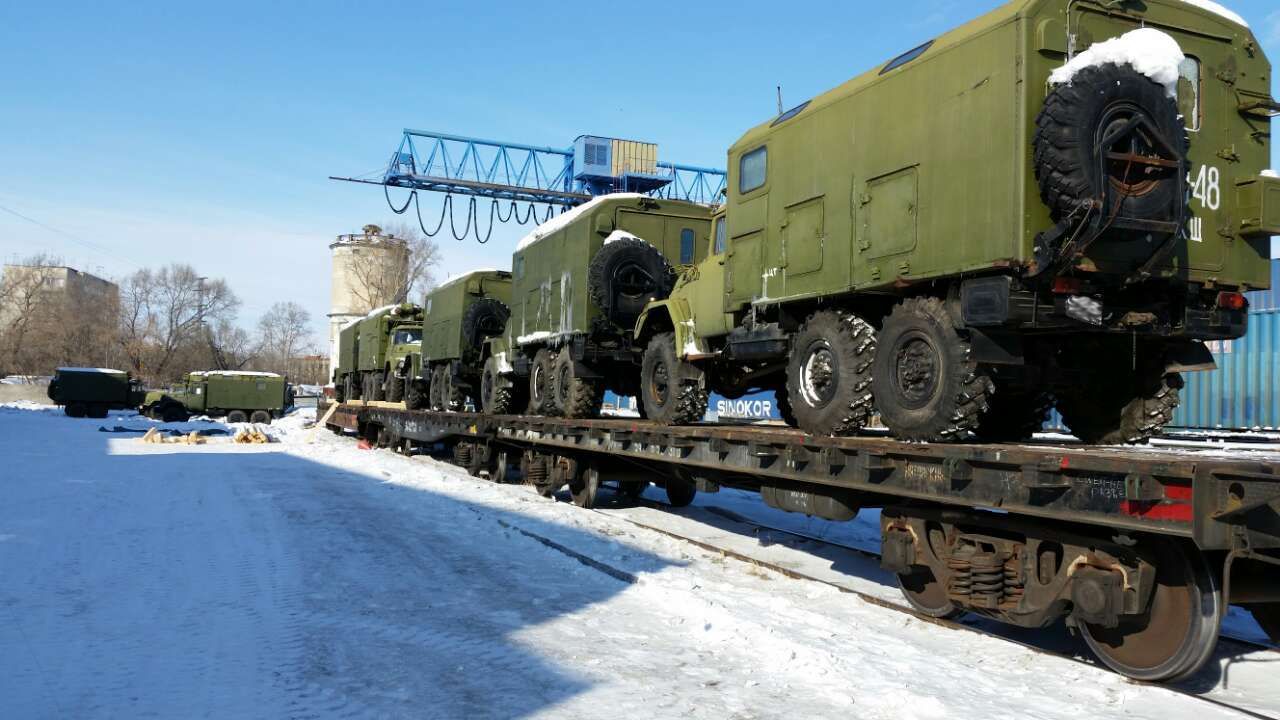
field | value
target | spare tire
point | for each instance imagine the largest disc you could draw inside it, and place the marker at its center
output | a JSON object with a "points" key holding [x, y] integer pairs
{"points": [[485, 318], [1078, 114], [624, 276]]}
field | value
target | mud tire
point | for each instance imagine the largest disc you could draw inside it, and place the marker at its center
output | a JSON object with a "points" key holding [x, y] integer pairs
{"points": [[1117, 408], [624, 276], [498, 392], [829, 376], [926, 385], [486, 318], [260, 417], [395, 388], [541, 385], [671, 390], [575, 396], [237, 416], [1076, 114]]}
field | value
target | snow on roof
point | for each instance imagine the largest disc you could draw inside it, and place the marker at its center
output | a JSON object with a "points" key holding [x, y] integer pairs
{"points": [[1270, 173], [372, 313], [234, 373], [1218, 10], [1147, 50], [91, 370], [456, 278], [563, 219]]}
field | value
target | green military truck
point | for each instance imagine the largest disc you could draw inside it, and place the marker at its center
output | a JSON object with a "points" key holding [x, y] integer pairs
{"points": [[579, 282], [92, 392], [459, 317], [240, 395], [1055, 203], [364, 351]]}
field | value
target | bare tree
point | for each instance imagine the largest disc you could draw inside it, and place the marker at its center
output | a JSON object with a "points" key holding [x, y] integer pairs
{"points": [[391, 266], [25, 312], [282, 335], [165, 312]]}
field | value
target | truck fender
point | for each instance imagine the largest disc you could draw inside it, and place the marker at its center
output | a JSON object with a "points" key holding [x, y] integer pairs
{"points": [[675, 313], [1189, 356]]}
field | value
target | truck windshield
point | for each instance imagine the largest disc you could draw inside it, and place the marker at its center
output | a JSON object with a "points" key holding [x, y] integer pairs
{"points": [[407, 337]]}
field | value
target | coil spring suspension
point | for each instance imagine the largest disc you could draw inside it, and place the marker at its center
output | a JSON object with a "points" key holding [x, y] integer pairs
{"points": [[535, 469], [983, 576], [462, 454]]}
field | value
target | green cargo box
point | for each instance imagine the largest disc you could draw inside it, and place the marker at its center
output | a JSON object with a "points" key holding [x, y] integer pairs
{"points": [[238, 394], [91, 392]]}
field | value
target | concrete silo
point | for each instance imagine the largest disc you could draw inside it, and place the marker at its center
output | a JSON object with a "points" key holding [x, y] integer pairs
{"points": [[370, 270]]}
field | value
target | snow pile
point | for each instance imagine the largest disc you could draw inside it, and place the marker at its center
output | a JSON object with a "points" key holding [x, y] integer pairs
{"points": [[560, 221], [1218, 10], [619, 235], [1147, 50]]}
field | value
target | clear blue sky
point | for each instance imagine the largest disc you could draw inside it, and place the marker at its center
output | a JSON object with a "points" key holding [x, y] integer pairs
{"points": [[154, 132]]}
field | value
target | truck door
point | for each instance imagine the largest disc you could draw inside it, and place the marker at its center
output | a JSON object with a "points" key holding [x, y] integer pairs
{"points": [[707, 299], [748, 223]]}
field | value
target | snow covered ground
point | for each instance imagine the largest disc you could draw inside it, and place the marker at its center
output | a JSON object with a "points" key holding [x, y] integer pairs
{"points": [[308, 578]]}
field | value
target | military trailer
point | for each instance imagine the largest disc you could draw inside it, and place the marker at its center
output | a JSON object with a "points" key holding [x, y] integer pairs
{"points": [[240, 395], [1057, 202], [459, 317], [579, 282], [92, 392], [363, 351]]}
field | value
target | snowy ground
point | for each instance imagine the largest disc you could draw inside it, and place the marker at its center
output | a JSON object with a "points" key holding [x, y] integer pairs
{"points": [[308, 578]]}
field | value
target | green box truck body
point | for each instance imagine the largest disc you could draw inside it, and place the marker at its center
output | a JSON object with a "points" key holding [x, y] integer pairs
{"points": [[459, 317], [92, 392], [363, 347], [1075, 238], [579, 282], [257, 396]]}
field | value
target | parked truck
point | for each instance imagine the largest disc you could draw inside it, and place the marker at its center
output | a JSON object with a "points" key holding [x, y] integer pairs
{"points": [[92, 392], [365, 348], [1056, 203], [240, 395], [579, 283], [459, 317]]}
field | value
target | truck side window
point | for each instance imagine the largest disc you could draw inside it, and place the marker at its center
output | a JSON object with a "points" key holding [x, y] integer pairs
{"points": [[752, 169], [686, 246], [1189, 92], [719, 236]]}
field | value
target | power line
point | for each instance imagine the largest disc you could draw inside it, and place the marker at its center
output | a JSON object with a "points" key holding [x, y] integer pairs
{"points": [[108, 252]]}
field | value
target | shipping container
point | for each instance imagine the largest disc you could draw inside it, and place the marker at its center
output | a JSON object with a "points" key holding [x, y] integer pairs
{"points": [[1241, 394]]}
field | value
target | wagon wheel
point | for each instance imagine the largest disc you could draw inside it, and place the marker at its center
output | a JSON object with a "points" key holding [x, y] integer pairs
{"points": [[922, 588], [585, 487], [1179, 630]]}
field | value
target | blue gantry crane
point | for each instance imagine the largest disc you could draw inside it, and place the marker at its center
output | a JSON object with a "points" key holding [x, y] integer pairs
{"points": [[512, 175]]}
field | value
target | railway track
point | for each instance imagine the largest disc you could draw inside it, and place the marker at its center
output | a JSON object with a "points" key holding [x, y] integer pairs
{"points": [[1231, 648]]}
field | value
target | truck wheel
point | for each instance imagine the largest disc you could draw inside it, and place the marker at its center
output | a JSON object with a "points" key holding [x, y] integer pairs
{"points": [[575, 396], [670, 389], [1118, 406], [260, 417], [829, 375], [448, 397], [785, 411], [1014, 415], [497, 392], [1078, 114], [625, 276], [375, 391], [395, 388], [75, 410], [173, 413], [486, 318], [415, 396], [540, 384], [352, 390], [926, 387], [340, 391], [237, 416], [96, 411]]}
